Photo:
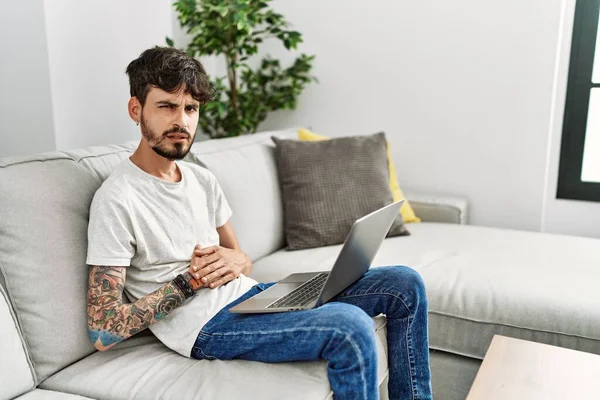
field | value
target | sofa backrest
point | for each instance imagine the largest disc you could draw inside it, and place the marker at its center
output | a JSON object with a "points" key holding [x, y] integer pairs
{"points": [[101, 160], [44, 212], [44, 201], [245, 168], [16, 376]]}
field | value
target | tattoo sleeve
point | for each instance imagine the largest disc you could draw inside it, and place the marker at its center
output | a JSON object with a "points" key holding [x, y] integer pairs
{"points": [[110, 321]]}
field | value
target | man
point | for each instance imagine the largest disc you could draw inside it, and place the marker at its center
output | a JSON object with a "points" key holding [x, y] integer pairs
{"points": [[159, 231]]}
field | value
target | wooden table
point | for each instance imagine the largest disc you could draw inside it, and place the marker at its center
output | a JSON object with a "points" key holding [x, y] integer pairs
{"points": [[518, 369]]}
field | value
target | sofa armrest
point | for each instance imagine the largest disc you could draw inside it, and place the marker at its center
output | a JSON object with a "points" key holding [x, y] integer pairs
{"points": [[440, 208]]}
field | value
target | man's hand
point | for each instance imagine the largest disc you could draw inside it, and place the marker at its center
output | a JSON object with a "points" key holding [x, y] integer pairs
{"points": [[190, 274], [214, 266]]}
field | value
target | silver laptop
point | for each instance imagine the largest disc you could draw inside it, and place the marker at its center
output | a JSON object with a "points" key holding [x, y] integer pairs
{"points": [[303, 291]]}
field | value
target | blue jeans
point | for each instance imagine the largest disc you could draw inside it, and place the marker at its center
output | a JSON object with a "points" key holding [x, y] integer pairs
{"points": [[341, 332]]}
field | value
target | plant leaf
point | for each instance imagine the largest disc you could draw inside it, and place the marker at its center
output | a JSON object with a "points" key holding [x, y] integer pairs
{"points": [[234, 29]]}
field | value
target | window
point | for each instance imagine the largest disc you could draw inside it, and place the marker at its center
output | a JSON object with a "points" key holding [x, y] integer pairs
{"points": [[579, 170]]}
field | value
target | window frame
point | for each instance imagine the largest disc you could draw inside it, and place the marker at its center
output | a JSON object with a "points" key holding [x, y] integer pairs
{"points": [[580, 85]]}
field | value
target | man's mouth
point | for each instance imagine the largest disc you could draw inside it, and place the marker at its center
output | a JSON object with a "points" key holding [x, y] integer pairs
{"points": [[177, 136]]}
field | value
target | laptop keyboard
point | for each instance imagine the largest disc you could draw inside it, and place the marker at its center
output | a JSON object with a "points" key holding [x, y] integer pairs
{"points": [[302, 295]]}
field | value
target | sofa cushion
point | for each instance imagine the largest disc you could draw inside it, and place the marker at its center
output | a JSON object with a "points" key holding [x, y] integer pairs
{"points": [[246, 170], [49, 196], [533, 286], [485, 281], [406, 210], [327, 185], [130, 370], [101, 160], [40, 394], [16, 376], [414, 252], [42, 248]]}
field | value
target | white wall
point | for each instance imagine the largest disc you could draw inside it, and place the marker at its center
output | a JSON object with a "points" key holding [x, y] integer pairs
{"points": [[565, 216], [90, 45], [25, 102], [463, 90], [470, 93]]}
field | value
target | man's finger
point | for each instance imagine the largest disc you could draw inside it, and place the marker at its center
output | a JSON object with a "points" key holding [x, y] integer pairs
{"points": [[210, 269], [214, 276], [203, 262], [205, 251], [193, 269], [224, 279]]}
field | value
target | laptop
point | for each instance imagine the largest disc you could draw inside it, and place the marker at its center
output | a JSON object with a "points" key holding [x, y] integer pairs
{"points": [[303, 291]]}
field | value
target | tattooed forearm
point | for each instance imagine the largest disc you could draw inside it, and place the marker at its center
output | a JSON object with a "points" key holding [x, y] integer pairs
{"points": [[110, 321]]}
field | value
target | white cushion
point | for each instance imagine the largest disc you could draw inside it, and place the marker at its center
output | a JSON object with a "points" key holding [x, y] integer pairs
{"points": [[43, 243], [16, 376], [48, 196], [245, 168], [39, 394], [481, 281], [143, 368], [101, 160]]}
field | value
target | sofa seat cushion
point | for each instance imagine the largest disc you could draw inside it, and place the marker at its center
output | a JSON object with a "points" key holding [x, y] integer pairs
{"points": [[40, 394], [143, 368], [485, 281]]}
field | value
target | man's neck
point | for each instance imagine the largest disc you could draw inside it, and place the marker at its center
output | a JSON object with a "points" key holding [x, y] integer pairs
{"points": [[150, 162]]}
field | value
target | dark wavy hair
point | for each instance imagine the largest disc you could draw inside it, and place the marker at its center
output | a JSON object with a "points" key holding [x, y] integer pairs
{"points": [[168, 69]]}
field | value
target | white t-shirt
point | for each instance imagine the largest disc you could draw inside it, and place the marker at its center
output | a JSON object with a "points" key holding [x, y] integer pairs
{"points": [[151, 226]]}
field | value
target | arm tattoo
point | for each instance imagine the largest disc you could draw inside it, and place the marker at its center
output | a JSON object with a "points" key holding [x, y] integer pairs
{"points": [[110, 321]]}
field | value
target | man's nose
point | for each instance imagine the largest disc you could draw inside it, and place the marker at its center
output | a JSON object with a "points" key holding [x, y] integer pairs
{"points": [[179, 121]]}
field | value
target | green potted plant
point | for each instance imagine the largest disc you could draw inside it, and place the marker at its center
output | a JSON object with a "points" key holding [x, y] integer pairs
{"points": [[235, 29]]}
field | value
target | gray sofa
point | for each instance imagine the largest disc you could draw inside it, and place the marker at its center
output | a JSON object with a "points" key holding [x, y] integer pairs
{"points": [[480, 282]]}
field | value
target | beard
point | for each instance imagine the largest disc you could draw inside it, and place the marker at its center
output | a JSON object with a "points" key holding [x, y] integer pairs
{"points": [[162, 145]]}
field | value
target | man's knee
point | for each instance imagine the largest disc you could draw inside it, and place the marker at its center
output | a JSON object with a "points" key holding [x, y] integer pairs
{"points": [[408, 282], [353, 322], [415, 280]]}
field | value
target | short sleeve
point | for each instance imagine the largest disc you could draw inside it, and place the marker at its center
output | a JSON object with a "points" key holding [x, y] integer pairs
{"points": [[111, 239], [222, 210]]}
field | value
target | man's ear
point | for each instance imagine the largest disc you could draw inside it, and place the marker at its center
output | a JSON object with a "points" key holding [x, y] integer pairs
{"points": [[135, 109]]}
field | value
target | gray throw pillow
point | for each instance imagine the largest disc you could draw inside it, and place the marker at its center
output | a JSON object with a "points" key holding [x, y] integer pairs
{"points": [[327, 185]]}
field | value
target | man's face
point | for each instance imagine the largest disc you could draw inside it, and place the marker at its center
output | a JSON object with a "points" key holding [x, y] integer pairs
{"points": [[169, 122]]}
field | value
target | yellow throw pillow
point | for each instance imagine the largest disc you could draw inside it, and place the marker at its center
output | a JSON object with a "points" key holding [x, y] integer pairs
{"points": [[408, 214]]}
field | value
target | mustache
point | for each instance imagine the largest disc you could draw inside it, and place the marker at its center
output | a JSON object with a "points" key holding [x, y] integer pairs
{"points": [[177, 130]]}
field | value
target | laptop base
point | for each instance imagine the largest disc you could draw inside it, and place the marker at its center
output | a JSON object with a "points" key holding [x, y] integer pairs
{"points": [[260, 302]]}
